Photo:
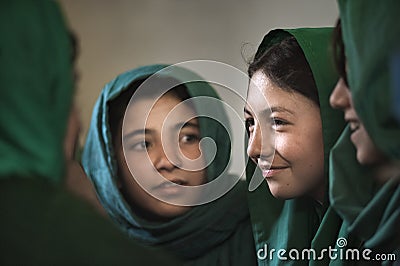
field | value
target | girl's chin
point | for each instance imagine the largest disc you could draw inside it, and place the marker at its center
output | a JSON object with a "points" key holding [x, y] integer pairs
{"points": [[369, 157], [279, 193]]}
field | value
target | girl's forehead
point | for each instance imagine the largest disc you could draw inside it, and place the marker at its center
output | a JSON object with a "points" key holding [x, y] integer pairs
{"points": [[168, 110]]}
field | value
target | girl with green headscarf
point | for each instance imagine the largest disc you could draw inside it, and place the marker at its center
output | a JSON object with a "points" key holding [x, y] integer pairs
{"points": [[149, 187], [291, 130], [365, 170]]}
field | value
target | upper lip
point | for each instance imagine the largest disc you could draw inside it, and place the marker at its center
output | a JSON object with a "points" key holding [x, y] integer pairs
{"points": [[264, 165], [267, 166], [273, 167]]}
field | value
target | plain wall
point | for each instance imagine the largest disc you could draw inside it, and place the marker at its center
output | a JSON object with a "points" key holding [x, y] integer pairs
{"points": [[118, 35]]}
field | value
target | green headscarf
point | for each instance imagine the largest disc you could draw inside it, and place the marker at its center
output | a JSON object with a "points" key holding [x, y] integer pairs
{"points": [[218, 232], [42, 224], [35, 64], [371, 36], [293, 223]]}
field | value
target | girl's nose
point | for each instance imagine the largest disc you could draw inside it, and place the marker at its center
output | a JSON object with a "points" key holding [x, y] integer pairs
{"points": [[339, 98], [166, 158]]}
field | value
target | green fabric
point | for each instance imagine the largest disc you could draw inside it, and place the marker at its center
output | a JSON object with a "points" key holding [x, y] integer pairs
{"points": [[371, 35], [293, 223], [371, 212], [34, 56], [40, 223], [217, 233]]}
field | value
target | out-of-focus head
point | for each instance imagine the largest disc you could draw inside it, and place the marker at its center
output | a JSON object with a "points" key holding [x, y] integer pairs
{"points": [[36, 88], [371, 45], [341, 98]]}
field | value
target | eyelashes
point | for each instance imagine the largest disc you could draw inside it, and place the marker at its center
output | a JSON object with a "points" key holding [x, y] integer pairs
{"points": [[249, 123], [139, 146], [144, 145], [275, 123], [278, 122], [189, 138]]}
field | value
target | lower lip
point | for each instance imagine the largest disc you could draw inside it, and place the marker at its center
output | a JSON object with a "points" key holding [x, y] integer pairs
{"points": [[271, 172], [353, 136], [168, 191]]}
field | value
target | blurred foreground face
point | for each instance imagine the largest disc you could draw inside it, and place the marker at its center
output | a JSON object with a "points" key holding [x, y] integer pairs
{"points": [[162, 155], [367, 152], [285, 139]]}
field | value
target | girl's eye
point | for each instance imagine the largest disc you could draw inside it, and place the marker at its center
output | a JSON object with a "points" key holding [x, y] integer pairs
{"points": [[190, 138], [277, 122], [139, 146], [249, 123]]}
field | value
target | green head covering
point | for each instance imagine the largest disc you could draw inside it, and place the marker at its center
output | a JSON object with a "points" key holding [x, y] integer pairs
{"points": [[36, 89], [293, 223], [42, 224], [219, 231], [371, 36]]}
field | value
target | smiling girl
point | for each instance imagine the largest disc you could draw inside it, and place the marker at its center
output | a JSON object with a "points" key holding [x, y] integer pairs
{"points": [[365, 172], [291, 130]]}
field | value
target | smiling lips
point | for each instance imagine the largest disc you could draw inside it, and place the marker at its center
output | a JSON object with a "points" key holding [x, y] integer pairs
{"points": [[272, 171], [354, 125], [269, 172], [353, 122]]}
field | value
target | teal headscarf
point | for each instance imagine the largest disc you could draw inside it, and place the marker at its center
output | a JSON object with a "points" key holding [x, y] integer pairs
{"points": [[287, 224], [215, 233], [35, 63], [371, 36]]}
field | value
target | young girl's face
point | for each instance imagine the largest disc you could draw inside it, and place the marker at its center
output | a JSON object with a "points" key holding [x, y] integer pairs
{"points": [[167, 146], [297, 167], [367, 152]]}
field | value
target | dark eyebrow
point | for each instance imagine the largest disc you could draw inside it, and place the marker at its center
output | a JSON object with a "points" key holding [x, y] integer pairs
{"points": [[246, 111], [186, 124], [281, 109], [267, 112], [137, 132]]}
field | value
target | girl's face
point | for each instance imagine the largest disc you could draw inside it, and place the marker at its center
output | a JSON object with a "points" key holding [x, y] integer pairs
{"points": [[367, 152], [168, 145], [297, 166]]}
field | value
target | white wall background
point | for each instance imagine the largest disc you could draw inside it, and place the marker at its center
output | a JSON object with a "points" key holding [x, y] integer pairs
{"points": [[117, 35]]}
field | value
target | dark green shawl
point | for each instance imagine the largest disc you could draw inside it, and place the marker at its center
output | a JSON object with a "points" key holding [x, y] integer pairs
{"points": [[41, 224], [294, 223], [371, 35], [35, 57], [217, 233]]}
